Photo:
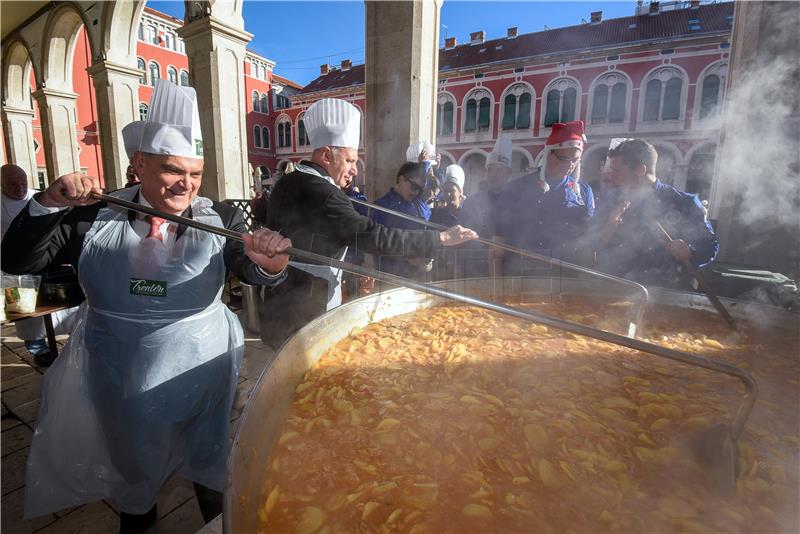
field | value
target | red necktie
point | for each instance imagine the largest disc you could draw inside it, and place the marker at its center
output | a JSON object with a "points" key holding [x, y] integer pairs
{"points": [[155, 227]]}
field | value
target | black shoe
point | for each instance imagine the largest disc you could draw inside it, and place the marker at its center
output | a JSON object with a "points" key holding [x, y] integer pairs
{"points": [[44, 359], [137, 523]]}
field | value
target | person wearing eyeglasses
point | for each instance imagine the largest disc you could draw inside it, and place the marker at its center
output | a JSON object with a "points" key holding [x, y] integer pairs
{"points": [[407, 197], [547, 210]]}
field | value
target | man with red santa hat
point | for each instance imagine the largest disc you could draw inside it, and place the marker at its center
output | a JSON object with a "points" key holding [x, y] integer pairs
{"points": [[546, 211]]}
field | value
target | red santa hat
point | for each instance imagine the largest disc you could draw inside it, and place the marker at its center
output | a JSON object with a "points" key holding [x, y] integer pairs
{"points": [[567, 135], [562, 135]]}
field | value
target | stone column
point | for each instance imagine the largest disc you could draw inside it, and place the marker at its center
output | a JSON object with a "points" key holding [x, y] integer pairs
{"points": [[18, 130], [117, 93], [216, 53], [402, 68], [755, 193], [58, 117]]}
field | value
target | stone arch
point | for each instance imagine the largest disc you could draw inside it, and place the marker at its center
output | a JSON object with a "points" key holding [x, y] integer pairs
{"points": [[474, 164], [521, 162], [447, 159], [592, 162], [700, 161], [60, 37], [119, 32], [227, 10], [17, 63], [670, 164]]}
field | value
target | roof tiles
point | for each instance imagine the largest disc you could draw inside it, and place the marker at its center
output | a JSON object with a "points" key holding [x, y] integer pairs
{"points": [[668, 25]]}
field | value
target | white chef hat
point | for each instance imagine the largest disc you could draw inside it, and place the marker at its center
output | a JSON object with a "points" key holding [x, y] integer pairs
{"points": [[501, 153], [132, 136], [415, 149], [172, 126], [455, 174], [333, 122]]}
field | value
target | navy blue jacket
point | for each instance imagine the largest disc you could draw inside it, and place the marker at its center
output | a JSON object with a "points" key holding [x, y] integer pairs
{"points": [[636, 250], [410, 267], [550, 223]]}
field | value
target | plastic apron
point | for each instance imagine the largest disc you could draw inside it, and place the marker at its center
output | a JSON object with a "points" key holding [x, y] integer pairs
{"points": [[144, 387], [331, 275]]}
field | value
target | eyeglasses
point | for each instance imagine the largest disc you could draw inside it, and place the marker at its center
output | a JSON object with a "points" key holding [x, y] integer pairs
{"points": [[572, 161], [415, 187]]}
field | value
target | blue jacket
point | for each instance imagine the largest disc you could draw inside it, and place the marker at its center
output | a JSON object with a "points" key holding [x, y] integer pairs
{"points": [[550, 223], [636, 250], [411, 267]]}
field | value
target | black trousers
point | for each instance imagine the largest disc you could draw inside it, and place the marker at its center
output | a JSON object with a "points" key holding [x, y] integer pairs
{"points": [[209, 501]]}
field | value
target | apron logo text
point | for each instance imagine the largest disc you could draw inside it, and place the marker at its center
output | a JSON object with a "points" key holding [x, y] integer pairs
{"points": [[148, 288]]}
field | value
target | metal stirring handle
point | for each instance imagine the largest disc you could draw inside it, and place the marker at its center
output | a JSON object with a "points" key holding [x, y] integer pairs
{"points": [[751, 387], [639, 317]]}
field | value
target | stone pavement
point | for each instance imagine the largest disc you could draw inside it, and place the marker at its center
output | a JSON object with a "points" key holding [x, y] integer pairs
{"points": [[178, 512]]}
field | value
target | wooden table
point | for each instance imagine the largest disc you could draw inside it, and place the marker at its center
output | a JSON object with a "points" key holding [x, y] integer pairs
{"points": [[45, 311]]}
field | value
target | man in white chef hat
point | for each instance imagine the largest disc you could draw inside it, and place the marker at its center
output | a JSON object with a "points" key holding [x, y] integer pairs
{"points": [[309, 207], [144, 388], [479, 210]]}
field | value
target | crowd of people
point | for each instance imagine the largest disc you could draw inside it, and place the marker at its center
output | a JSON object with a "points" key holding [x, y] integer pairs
{"points": [[144, 386]]}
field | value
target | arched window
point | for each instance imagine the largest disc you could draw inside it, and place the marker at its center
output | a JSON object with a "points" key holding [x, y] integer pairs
{"points": [[302, 135], [264, 103], [662, 95], [712, 88], [600, 104], [256, 101], [170, 40], [287, 134], [141, 66], [155, 73], [142, 111], [257, 136], [172, 75], [140, 34], [672, 99], [561, 101], [152, 35], [608, 99], [264, 137], [616, 112], [517, 108], [185, 78], [284, 131], [652, 100], [478, 117], [444, 116]]}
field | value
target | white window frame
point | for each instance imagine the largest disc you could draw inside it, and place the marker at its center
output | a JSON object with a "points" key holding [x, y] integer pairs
{"points": [[517, 88], [663, 73], [150, 77], [442, 98], [478, 94], [562, 83], [718, 68], [610, 79]]}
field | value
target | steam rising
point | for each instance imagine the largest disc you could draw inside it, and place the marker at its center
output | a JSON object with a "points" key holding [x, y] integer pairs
{"points": [[757, 182]]}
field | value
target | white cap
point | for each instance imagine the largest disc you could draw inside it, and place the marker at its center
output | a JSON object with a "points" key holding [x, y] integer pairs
{"points": [[172, 126], [333, 122], [501, 153], [455, 174], [415, 149], [616, 141], [132, 136]]}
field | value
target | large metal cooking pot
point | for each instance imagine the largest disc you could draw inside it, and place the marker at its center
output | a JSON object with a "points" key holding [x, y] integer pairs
{"points": [[272, 396]]}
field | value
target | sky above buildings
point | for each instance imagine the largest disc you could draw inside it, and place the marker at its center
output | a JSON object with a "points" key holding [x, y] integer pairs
{"points": [[299, 36]]}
